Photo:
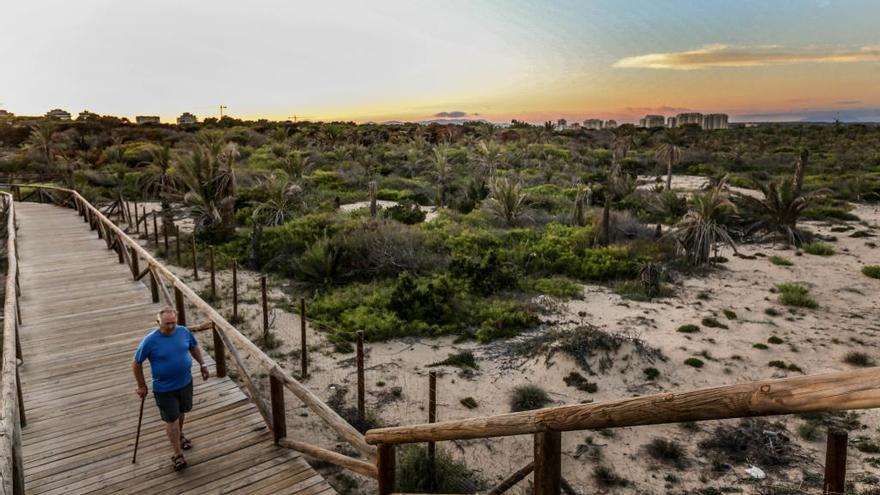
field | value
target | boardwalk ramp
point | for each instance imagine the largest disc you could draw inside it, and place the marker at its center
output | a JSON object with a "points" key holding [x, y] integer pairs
{"points": [[83, 317]]}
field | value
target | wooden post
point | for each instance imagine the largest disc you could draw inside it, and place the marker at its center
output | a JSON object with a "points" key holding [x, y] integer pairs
{"points": [[21, 417], [154, 287], [155, 229], [548, 462], [144, 218], [119, 250], [279, 419], [137, 219], [213, 279], [177, 241], [219, 353], [265, 309], [432, 414], [360, 376], [195, 259], [165, 236], [385, 465], [135, 269], [181, 308], [835, 462], [235, 290], [304, 352], [128, 212]]}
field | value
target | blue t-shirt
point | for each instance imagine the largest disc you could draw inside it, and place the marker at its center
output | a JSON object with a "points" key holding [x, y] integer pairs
{"points": [[169, 357]]}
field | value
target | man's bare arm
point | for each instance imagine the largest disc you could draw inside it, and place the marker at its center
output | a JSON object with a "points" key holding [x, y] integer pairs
{"points": [[138, 369], [197, 353]]}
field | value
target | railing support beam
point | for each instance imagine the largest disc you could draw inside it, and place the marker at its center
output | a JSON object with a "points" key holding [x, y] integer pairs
{"points": [[279, 414], [835, 463], [548, 463]]}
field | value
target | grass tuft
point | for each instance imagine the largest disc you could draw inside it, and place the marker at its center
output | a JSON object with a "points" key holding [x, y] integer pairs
{"points": [[780, 261], [872, 271], [528, 397], [859, 359], [792, 294], [689, 328], [818, 249]]}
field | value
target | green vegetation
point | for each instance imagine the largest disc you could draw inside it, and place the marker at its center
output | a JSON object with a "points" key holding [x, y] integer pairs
{"points": [[689, 328], [417, 474], [469, 402], [818, 249], [463, 359], [729, 314], [712, 322], [651, 373], [872, 271], [792, 294], [696, 363], [859, 359], [578, 381], [528, 397], [780, 261]]}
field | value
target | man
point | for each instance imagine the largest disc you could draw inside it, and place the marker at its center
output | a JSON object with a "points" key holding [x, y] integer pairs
{"points": [[169, 348]]}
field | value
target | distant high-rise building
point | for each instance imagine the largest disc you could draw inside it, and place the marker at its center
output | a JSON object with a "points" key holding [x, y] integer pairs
{"points": [[671, 122], [684, 119], [86, 115], [594, 124], [57, 113], [147, 119], [715, 121], [186, 118], [654, 121], [610, 124]]}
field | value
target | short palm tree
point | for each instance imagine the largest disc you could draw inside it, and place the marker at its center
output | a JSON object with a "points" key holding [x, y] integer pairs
{"points": [[282, 197], [509, 201], [442, 172], [40, 138], [701, 229], [672, 143], [209, 180]]}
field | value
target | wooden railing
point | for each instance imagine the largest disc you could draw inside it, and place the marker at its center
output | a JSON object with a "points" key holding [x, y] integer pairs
{"points": [[12, 416], [812, 393], [167, 288]]}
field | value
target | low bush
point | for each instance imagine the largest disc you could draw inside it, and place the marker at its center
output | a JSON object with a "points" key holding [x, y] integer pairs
{"points": [[774, 340], [469, 402], [755, 441], [405, 212], [668, 452], [729, 314], [463, 359], [636, 291], [818, 248], [561, 287], [793, 294], [829, 213], [760, 346], [578, 381], [606, 477], [528, 397], [859, 359], [713, 323], [780, 261], [872, 271], [651, 373], [417, 474], [696, 363], [689, 328]]}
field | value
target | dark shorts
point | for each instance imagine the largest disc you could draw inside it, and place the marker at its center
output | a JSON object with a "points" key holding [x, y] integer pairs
{"points": [[173, 404]]}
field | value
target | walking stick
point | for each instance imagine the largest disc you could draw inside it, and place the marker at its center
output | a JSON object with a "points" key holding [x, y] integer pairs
{"points": [[138, 437]]}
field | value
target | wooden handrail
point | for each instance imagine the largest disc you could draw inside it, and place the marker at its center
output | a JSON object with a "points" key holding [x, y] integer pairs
{"points": [[837, 391], [234, 339], [11, 465]]}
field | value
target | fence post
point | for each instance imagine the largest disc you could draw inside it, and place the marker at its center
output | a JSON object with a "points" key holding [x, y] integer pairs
{"points": [[146, 223], [213, 279], [155, 229], [119, 249], [279, 419], [304, 352], [195, 260], [177, 242], [548, 463], [265, 309], [235, 290], [360, 376], [432, 415], [835, 462], [181, 308], [219, 352], [135, 269], [385, 465], [137, 219], [154, 287], [165, 235]]}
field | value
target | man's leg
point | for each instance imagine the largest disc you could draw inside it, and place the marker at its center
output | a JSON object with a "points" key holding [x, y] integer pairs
{"points": [[172, 429], [180, 424]]}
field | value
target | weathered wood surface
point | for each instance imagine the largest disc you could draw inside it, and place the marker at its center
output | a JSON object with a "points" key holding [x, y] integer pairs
{"points": [[838, 391], [84, 316]]}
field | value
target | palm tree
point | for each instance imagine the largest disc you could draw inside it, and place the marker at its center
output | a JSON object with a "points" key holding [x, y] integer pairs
{"points": [[282, 197], [41, 139], [490, 157], [442, 171], [672, 143], [159, 182], [783, 204], [508, 199], [296, 163], [209, 179], [701, 229]]}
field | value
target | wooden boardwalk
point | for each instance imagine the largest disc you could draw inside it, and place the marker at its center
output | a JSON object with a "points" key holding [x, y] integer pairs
{"points": [[83, 317]]}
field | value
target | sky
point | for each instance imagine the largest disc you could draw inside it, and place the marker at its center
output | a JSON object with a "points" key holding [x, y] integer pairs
{"points": [[496, 60]]}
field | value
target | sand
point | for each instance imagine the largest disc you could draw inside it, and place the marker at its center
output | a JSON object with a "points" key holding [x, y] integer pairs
{"points": [[814, 340]]}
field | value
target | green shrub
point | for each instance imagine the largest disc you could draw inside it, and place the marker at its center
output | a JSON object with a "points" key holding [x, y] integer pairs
{"points": [[696, 363], [689, 328], [469, 402], [713, 323], [729, 314], [760, 346], [651, 373], [463, 359], [557, 286], [829, 213], [405, 212], [774, 340], [859, 359], [636, 291], [872, 271], [668, 452], [792, 294], [483, 276], [528, 397], [780, 261], [772, 312], [416, 474], [500, 318], [578, 381], [605, 477], [818, 248]]}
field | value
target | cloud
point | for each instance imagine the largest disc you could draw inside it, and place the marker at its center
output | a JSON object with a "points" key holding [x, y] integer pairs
{"points": [[455, 114], [745, 56], [848, 102], [867, 114], [663, 109]]}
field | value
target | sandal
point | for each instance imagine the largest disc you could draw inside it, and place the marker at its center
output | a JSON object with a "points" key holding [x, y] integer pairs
{"points": [[179, 462], [185, 443]]}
